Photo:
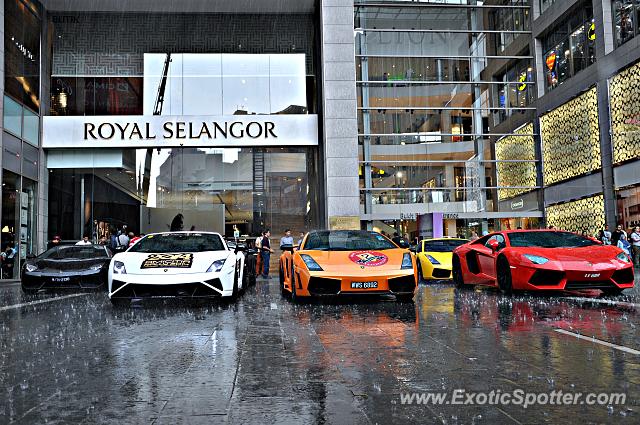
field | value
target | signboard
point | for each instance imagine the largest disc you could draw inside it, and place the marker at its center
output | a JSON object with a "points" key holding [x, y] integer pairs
{"points": [[344, 223], [517, 205], [166, 131]]}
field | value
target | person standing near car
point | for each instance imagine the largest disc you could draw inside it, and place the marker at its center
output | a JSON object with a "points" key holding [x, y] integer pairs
{"points": [[8, 257], [300, 238], [85, 241], [266, 251], [635, 245], [122, 241], [615, 235], [287, 239]]}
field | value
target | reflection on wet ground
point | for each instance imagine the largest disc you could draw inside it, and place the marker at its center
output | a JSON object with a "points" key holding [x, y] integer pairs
{"points": [[76, 359]]}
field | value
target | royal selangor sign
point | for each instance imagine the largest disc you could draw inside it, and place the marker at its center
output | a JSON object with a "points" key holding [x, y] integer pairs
{"points": [[158, 131]]}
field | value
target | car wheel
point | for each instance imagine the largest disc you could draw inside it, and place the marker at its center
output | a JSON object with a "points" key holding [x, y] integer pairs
{"points": [[458, 278], [294, 295], [505, 282], [612, 292], [283, 290], [420, 276], [404, 298], [234, 293]]}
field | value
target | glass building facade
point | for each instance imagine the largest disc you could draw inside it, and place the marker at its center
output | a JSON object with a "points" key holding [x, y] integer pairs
{"points": [[432, 80]]}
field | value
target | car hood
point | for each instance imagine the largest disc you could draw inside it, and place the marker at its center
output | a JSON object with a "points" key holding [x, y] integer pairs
{"points": [[169, 263], [67, 264], [442, 257], [356, 261], [590, 254]]}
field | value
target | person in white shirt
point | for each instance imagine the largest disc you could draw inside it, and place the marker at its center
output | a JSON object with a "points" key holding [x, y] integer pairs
{"points": [[85, 241], [122, 240], [635, 244]]}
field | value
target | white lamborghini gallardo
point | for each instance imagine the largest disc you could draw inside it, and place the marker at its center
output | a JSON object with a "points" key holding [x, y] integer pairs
{"points": [[178, 264]]}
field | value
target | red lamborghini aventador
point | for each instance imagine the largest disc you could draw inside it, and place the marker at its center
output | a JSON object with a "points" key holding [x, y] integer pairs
{"points": [[542, 260]]}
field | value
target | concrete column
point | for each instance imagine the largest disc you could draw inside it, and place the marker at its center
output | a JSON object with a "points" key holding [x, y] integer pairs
{"points": [[1, 90], [43, 172], [339, 114], [604, 45]]}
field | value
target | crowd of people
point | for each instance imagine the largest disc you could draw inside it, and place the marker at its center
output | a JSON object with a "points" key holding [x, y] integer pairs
{"points": [[628, 241]]}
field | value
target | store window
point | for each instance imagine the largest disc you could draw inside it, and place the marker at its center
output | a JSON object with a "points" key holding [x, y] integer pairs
{"points": [[22, 53], [545, 4], [516, 91], [570, 47], [12, 118], [511, 21], [9, 224], [625, 20]]}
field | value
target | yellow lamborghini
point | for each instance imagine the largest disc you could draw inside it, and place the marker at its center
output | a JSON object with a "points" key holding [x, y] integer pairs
{"points": [[434, 257]]}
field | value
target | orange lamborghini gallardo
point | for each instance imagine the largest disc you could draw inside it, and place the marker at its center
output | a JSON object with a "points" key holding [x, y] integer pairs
{"points": [[335, 262]]}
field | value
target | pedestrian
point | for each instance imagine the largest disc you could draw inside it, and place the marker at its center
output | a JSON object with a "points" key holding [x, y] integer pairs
{"points": [[300, 238], [258, 246], [85, 241], [615, 236], [604, 236], [122, 241], [8, 260], [396, 238], [135, 239], [266, 252], [55, 241], [624, 245], [474, 236], [286, 240], [635, 245]]}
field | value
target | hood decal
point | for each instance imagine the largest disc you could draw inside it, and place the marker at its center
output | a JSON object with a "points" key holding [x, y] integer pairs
{"points": [[159, 261], [368, 258]]}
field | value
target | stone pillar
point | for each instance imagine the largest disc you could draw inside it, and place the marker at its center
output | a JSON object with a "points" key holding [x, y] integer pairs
{"points": [[339, 114], [604, 44]]}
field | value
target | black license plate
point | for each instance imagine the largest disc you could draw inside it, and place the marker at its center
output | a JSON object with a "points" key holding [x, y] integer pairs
{"points": [[60, 279], [364, 285]]}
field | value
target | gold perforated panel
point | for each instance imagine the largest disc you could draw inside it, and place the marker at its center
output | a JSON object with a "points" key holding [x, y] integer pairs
{"points": [[570, 139], [576, 216], [518, 174], [624, 92]]}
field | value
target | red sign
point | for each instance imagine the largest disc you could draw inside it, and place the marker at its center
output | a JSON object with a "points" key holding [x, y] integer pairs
{"points": [[368, 258], [551, 61]]}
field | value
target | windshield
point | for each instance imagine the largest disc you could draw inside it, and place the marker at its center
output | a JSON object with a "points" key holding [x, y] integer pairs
{"points": [[179, 242], [75, 252], [347, 240], [443, 246], [549, 240]]}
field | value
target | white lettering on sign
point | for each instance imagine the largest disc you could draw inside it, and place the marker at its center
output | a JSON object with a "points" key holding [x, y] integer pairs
{"points": [[408, 216], [516, 205]]}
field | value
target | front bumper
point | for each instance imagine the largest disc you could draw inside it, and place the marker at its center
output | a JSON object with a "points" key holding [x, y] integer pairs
{"points": [[192, 285], [558, 278], [34, 281], [404, 282]]}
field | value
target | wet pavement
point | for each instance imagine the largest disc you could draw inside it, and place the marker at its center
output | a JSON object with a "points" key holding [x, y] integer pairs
{"points": [[67, 358]]}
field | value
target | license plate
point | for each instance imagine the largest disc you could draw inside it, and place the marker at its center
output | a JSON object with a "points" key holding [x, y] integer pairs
{"points": [[60, 279], [364, 285]]}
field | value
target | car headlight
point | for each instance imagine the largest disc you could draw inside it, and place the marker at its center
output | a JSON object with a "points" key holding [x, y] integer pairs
{"points": [[432, 260], [216, 266], [311, 263], [118, 267], [536, 259], [31, 267], [96, 267], [622, 257], [407, 263]]}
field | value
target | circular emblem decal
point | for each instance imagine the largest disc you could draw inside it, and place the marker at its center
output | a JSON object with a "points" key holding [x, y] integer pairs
{"points": [[368, 258]]}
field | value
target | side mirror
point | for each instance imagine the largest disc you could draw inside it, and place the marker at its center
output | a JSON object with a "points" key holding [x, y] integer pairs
{"points": [[494, 245]]}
